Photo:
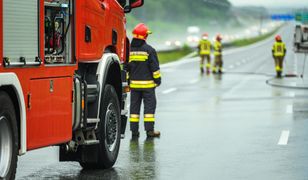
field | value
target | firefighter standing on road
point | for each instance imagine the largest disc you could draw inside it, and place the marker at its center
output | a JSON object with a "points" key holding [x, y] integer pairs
{"points": [[144, 77], [204, 48], [218, 55], [279, 52]]}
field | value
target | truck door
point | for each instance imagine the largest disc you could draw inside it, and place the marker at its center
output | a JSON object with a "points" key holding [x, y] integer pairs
{"points": [[92, 36]]}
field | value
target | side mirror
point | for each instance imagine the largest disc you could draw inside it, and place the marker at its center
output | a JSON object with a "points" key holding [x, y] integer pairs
{"points": [[133, 4], [127, 9], [136, 3]]}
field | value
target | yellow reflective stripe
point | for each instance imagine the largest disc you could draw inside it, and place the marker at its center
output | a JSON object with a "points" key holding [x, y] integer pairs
{"points": [[134, 115], [156, 74], [278, 68], [142, 86], [142, 82], [205, 52], [208, 65], [149, 116], [134, 119], [149, 119], [138, 53], [140, 58]]}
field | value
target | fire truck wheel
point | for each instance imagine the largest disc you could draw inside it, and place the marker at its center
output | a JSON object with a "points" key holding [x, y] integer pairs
{"points": [[109, 130], [8, 137]]}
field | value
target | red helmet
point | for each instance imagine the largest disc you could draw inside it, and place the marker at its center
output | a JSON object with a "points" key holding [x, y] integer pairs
{"points": [[218, 37], [141, 31], [278, 38]]}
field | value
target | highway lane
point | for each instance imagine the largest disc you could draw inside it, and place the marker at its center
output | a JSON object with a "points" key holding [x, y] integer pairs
{"points": [[233, 126]]}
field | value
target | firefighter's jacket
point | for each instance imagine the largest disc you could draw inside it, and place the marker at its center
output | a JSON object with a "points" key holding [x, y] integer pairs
{"points": [[143, 67], [217, 48], [279, 49], [204, 47]]}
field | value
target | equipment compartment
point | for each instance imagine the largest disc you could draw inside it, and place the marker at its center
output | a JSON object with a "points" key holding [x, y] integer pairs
{"points": [[57, 31]]}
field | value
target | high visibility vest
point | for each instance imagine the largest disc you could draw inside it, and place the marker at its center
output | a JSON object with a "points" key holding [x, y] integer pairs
{"points": [[279, 48], [205, 47], [217, 48]]}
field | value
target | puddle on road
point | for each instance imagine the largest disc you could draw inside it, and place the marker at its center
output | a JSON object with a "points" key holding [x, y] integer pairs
{"points": [[139, 163]]}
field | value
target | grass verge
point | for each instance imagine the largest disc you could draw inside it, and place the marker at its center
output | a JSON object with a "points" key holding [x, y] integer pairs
{"points": [[168, 56], [174, 55], [249, 41]]}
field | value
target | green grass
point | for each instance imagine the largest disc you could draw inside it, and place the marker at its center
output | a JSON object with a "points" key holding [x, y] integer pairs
{"points": [[248, 41], [165, 57], [169, 56]]}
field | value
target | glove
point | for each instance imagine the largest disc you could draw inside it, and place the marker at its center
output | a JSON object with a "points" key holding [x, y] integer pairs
{"points": [[157, 82]]}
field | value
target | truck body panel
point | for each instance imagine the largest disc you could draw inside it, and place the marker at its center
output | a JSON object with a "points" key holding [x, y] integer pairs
{"points": [[49, 114]]}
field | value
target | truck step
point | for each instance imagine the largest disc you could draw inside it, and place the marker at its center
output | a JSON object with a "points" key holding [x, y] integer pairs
{"points": [[91, 142], [92, 120], [92, 92]]}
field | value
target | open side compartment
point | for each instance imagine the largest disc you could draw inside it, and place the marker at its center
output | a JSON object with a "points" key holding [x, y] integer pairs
{"points": [[58, 31]]}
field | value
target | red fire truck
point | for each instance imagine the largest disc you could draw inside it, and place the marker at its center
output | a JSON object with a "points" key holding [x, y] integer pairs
{"points": [[61, 79]]}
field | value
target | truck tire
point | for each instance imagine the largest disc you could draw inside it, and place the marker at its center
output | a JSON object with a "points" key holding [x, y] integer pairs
{"points": [[8, 138], [109, 130]]}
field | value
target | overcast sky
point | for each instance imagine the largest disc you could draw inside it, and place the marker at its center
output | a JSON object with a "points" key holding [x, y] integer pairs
{"points": [[271, 3]]}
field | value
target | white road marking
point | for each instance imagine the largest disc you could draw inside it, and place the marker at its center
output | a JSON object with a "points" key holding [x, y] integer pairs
{"points": [[169, 90], [194, 81], [289, 109], [284, 138], [231, 67]]}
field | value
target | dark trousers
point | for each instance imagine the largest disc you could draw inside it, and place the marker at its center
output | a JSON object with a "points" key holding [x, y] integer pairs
{"points": [[208, 58], [218, 63], [149, 100], [279, 63]]}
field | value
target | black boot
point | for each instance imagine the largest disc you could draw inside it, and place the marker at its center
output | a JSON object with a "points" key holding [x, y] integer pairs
{"points": [[202, 70], [135, 134], [279, 75], [153, 134]]}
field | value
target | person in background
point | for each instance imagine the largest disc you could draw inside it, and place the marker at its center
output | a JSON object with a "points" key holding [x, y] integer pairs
{"points": [[279, 51], [204, 48]]}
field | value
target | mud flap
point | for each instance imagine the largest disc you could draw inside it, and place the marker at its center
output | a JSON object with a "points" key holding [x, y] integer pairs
{"points": [[123, 125]]}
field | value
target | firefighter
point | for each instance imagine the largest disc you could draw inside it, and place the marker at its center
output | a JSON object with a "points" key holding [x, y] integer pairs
{"points": [[144, 76], [279, 52], [218, 55], [204, 48]]}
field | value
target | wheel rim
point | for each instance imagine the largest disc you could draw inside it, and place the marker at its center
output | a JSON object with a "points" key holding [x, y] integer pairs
{"points": [[6, 146], [111, 124]]}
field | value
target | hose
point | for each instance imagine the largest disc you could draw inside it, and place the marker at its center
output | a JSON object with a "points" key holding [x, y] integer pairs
{"points": [[269, 81]]}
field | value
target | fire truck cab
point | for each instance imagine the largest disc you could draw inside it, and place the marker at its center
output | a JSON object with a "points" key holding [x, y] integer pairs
{"points": [[61, 79]]}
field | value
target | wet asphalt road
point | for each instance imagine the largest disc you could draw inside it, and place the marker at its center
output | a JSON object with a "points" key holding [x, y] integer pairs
{"points": [[233, 126]]}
